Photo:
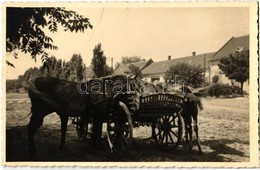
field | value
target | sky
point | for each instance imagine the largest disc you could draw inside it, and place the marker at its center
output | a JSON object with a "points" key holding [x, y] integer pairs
{"points": [[150, 32]]}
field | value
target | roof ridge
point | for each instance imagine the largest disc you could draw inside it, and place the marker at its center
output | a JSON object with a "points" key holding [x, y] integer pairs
{"points": [[196, 55], [222, 47], [242, 36], [136, 62]]}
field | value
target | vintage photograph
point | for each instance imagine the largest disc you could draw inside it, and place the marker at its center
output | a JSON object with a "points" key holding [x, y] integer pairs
{"points": [[130, 82]]}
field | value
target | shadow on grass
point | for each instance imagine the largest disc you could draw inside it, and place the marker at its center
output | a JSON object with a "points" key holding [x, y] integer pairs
{"points": [[48, 140]]}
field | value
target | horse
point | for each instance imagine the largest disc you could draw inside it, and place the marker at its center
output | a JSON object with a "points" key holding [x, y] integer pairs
{"points": [[48, 95], [191, 103]]}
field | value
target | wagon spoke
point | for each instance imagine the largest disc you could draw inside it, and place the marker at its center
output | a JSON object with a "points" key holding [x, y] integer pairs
{"points": [[167, 139], [122, 144], [163, 137], [174, 117], [171, 138], [174, 133], [158, 134], [174, 126], [125, 140]]}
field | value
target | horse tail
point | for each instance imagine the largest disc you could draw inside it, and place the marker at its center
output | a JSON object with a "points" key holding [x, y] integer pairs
{"points": [[199, 103], [195, 99], [34, 92]]}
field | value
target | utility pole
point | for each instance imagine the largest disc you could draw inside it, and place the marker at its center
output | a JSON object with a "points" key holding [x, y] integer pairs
{"points": [[204, 55], [112, 63]]}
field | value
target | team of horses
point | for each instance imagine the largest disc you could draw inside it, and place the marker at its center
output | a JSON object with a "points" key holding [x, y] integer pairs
{"points": [[93, 100]]}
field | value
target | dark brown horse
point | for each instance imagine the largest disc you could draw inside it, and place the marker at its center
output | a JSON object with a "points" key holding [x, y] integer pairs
{"points": [[190, 115], [50, 95], [102, 92]]}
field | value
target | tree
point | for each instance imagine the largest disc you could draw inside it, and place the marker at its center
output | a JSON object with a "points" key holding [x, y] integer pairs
{"points": [[191, 75], [215, 79], [133, 59], [98, 63], [32, 74], [76, 67], [135, 70], [236, 66], [24, 29]]}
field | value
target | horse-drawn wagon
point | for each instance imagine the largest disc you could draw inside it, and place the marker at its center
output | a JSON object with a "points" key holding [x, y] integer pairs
{"points": [[161, 111], [121, 111]]}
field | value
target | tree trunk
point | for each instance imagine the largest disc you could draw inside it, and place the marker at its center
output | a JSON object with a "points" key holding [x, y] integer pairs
{"points": [[241, 89]]}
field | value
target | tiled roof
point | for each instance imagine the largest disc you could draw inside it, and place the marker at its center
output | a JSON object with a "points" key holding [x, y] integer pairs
{"points": [[123, 68], [234, 44], [161, 67]]}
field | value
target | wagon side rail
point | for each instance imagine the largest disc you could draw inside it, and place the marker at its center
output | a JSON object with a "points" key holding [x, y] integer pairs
{"points": [[160, 104]]}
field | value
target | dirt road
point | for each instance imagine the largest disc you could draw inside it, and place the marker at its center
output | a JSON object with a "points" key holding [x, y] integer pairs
{"points": [[223, 128]]}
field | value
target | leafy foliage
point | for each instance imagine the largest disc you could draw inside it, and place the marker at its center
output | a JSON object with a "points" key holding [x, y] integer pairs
{"points": [[132, 59], [76, 67], [24, 29], [99, 66], [236, 66], [191, 75], [135, 70], [225, 90], [14, 85], [72, 71], [215, 79]]}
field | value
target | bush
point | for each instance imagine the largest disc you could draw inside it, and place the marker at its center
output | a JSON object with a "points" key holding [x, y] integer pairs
{"points": [[215, 79], [225, 90], [189, 74]]}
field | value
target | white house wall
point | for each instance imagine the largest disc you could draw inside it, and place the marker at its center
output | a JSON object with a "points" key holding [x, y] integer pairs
{"points": [[215, 70]]}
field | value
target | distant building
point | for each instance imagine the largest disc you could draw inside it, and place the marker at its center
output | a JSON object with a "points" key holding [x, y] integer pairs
{"points": [[234, 44], [156, 71], [124, 68], [88, 73]]}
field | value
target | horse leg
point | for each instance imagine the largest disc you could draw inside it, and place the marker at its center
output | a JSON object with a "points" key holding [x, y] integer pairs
{"points": [[97, 129], [188, 129], [36, 121], [196, 129], [186, 133], [190, 136], [64, 123]]}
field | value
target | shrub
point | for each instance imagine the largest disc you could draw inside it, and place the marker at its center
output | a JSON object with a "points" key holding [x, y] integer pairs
{"points": [[225, 90], [215, 79]]}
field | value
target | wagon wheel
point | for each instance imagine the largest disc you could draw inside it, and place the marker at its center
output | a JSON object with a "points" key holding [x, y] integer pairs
{"points": [[167, 131], [120, 129]]}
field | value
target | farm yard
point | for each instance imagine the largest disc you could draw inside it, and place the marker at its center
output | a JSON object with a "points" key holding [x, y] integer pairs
{"points": [[223, 129]]}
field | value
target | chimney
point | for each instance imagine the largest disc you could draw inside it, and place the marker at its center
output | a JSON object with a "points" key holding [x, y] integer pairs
{"points": [[193, 53], [169, 57]]}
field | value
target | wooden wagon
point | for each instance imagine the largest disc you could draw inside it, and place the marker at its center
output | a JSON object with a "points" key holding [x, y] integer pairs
{"points": [[160, 111]]}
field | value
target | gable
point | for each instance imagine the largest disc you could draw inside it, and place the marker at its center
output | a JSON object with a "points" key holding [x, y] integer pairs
{"points": [[234, 44]]}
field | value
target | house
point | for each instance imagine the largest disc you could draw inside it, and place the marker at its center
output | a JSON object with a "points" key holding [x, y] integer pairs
{"points": [[124, 68], [234, 44], [156, 71]]}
